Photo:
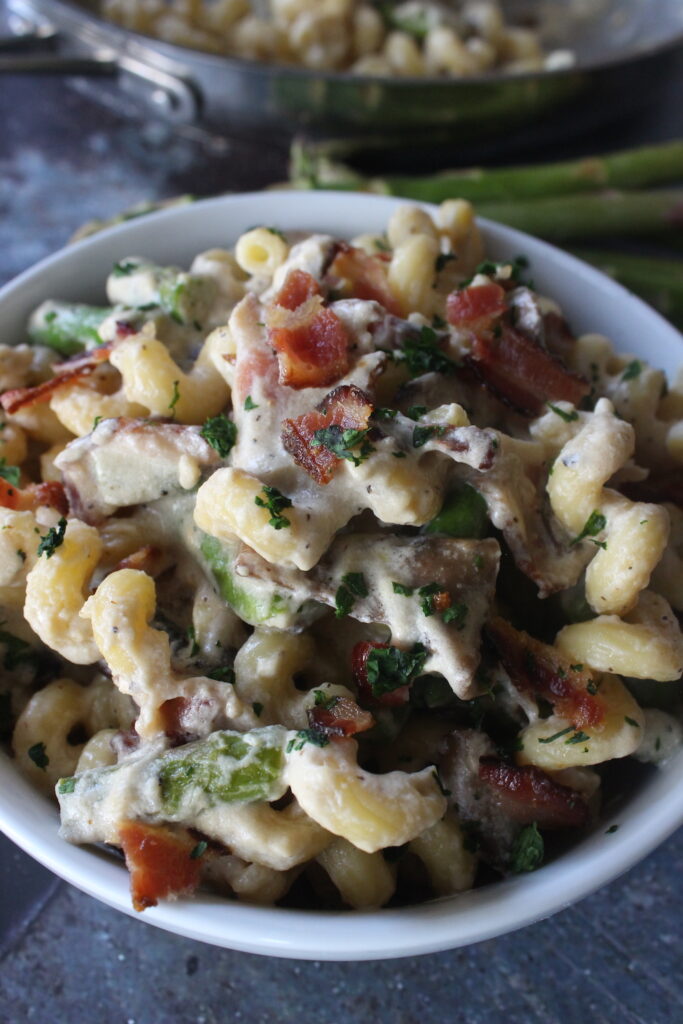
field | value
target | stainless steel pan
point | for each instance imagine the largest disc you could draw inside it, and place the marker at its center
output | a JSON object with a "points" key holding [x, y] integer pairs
{"points": [[623, 50]]}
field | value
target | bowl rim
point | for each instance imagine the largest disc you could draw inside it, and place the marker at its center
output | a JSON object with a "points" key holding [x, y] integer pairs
{"points": [[30, 820]]}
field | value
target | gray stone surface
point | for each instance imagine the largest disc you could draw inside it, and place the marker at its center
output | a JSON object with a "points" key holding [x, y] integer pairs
{"points": [[65, 959]]}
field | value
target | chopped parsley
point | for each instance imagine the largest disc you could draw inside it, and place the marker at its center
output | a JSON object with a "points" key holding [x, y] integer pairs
{"points": [[352, 585], [176, 396], [192, 641], [98, 419], [388, 668], [427, 593], [421, 353], [416, 411], [318, 739], [632, 371], [224, 674], [275, 502], [400, 588], [631, 721], [17, 651], [257, 708], [442, 260], [578, 737], [249, 403], [594, 524], [220, 433], [21, 554], [385, 414], [611, 830], [556, 735], [197, 851], [53, 539], [457, 614], [67, 785], [422, 434], [11, 474], [527, 850], [325, 701], [340, 442], [276, 231], [381, 245], [491, 269], [124, 268], [38, 755], [568, 417]]}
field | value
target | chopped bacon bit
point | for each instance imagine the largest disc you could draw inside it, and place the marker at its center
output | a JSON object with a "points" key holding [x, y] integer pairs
{"points": [[475, 308], [658, 487], [362, 276], [343, 717], [173, 714], [68, 372], [528, 795], [149, 559], [311, 341], [50, 493], [347, 407], [159, 862], [124, 329], [521, 373], [299, 286], [440, 601], [541, 671], [359, 668]]}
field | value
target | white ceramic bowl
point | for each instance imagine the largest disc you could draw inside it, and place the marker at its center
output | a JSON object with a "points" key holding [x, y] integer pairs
{"points": [[591, 302]]}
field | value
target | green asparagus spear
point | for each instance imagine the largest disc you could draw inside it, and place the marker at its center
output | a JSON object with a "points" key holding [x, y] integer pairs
{"points": [[565, 218], [142, 285], [658, 281], [632, 168], [178, 784], [67, 327]]}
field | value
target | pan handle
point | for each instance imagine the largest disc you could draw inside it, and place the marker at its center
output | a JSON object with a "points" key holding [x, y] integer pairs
{"points": [[35, 52]]}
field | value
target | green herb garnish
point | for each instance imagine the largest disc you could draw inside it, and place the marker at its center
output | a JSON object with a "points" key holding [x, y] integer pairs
{"points": [[352, 585], [594, 524], [52, 539], [422, 434], [527, 850], [400, 588], [249, 403], [12, 474], [176, 396], [220, 433], [38, 755], [318, 739], [556, 735], [388, 668], [416, 411], [275, 502], [568, 417], [422, 354], [340, 442], [632, 371], [67, 785], [197, 851]]}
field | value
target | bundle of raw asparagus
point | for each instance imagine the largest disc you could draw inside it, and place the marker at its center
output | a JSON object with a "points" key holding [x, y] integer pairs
{"points": [[594, 198]]}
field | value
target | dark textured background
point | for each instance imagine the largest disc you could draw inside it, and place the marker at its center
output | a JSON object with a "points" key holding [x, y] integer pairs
{"points": [[65, 958]]}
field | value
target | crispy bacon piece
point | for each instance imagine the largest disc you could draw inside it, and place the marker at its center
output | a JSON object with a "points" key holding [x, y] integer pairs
{"points": [[149, 559], [541, 671], [359, 668], [159, 862], [66, 373], [343, 717], [347, 407], [521, 373], [310, 339], [657, 487], [476, 308], [559, 340], [297, 289], [362, 276], [528, 795], [28, 499]]}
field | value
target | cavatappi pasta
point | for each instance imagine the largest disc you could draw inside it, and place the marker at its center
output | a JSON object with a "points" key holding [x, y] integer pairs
{"points": [[416, 38], [331, 572]]}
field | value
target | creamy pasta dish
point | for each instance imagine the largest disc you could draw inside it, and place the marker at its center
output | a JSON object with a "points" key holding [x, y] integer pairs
{"points": [[366, 37], [334, 572]]}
